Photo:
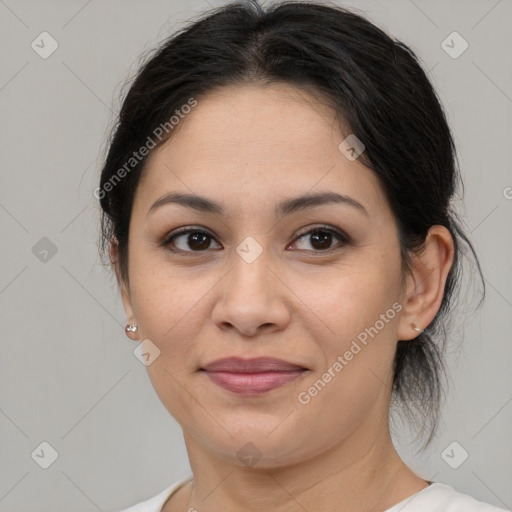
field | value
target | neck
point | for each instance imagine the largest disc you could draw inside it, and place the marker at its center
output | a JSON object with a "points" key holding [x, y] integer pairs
{"points": [[363, 472]]}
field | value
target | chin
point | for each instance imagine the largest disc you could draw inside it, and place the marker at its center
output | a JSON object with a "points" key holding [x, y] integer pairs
{"points": [[255, 446]]}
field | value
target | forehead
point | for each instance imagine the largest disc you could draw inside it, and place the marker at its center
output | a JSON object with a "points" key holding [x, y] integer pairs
{"points": [[273, 140], [272, 120]]}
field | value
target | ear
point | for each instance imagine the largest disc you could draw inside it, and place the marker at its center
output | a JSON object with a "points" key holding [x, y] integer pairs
{"points": [[123, 287], [425, 284]]}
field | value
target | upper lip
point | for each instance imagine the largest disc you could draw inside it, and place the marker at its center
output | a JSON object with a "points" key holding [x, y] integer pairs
{"points": [[254, 365]]}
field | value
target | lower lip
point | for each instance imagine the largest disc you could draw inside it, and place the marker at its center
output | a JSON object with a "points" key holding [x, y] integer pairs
{"points": [[253, 383]]}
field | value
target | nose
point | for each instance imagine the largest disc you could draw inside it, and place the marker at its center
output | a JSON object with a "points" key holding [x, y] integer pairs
{"points": [[251, 298]]}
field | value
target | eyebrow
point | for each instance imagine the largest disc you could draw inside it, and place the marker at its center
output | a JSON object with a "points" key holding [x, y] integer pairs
{"points": [[286, 207]]}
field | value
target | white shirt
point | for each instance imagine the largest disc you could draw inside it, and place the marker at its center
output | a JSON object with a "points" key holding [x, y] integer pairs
{"points": [[437, 497]]}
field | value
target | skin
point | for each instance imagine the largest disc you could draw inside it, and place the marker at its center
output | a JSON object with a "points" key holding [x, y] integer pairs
{"points": [[249, 148]]}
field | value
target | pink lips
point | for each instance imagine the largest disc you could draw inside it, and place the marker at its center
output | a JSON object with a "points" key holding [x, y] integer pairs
{"points": [[252, 376]]}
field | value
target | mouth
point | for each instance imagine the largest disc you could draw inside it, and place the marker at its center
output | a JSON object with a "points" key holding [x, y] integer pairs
{"points": [[252, 376]]}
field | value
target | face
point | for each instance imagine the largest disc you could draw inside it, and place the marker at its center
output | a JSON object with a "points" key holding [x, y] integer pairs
{"points": [[315, 284]]}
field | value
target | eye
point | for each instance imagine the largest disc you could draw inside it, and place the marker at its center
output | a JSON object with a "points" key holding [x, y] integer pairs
{"points": [[321, 238], [195, 239]]}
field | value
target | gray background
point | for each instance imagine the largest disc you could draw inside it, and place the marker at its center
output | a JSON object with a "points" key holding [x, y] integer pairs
{"points": [[67, 372]]}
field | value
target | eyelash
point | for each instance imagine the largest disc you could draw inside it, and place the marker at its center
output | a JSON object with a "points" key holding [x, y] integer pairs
{"points": [[344, 238]]}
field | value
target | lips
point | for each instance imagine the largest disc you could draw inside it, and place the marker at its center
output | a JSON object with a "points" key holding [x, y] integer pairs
{"points": [[252, 376], [255, 365]]}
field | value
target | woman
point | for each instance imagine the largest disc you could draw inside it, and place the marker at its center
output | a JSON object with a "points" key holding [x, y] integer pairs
{"points": [[276, 206]]}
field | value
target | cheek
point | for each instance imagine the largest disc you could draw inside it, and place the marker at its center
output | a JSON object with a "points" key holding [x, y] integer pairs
{"points": [[357, 352], [169, 306], [353, 297], [359, 310], [171, 313]]}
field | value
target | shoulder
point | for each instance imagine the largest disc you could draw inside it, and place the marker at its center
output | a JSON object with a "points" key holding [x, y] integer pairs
{"points": [[156, 503], [439, 497], [459, 502]]}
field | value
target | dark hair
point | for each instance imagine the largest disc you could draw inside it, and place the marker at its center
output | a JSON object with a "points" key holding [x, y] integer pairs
{"points": [[379, 92]]}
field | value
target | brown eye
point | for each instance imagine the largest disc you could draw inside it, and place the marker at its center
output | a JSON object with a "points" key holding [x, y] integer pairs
{"points": [[190, 240], [321, 239]]}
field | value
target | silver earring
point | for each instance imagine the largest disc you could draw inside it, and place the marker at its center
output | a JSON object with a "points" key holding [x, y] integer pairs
{"points": [[131, 328]]}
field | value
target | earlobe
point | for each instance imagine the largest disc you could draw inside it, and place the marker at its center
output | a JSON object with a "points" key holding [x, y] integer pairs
{"points": [[132, 326], [130, 330], [426, 282]]}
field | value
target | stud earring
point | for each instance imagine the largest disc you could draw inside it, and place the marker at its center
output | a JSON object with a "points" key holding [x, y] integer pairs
{"points": [[416, 328], [130, 328]]}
